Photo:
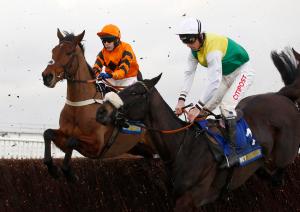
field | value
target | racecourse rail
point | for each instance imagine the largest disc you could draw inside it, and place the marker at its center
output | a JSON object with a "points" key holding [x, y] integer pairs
{"points": [[19, 141], [27, 142]]}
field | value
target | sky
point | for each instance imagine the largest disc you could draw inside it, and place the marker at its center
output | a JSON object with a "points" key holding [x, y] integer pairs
{"points": [[28, 34]]}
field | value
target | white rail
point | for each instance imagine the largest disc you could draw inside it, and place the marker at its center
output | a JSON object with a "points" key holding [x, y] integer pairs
{"points": [[18, 143], [21, 148]]}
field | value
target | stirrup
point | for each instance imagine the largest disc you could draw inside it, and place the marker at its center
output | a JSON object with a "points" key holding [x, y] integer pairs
{"points": [[230, 161]]}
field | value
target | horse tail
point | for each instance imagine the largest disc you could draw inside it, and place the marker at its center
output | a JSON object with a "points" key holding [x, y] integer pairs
{"points": [[286, 63]]}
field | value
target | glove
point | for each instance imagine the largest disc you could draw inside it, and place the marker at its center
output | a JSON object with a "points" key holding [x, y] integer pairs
{"points": [[104, 75]]}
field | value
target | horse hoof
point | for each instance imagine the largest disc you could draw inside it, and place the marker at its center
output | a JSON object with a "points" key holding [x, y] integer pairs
{"points": [[72, 178], [278, 178], [70, 175], [53, 171], [277, 182]]}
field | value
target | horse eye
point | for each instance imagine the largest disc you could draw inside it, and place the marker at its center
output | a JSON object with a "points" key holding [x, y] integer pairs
{"points": [[69, 53], [51, 62]]}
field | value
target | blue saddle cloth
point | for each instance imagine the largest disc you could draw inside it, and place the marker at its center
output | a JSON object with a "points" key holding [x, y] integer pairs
{"points": [[245, 141], [133, 128]]}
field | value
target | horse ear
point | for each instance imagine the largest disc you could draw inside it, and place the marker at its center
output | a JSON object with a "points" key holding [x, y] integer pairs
{"points": [[59, 35], [79, 37], [296, 54], [152, 82]]}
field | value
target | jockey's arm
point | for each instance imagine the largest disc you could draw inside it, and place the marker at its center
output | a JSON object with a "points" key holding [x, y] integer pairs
{"points": [[126, 60], [214, 66], [98, 64], [188, 76]]}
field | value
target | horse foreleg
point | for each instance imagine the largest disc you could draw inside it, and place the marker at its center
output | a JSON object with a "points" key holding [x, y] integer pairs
{"points": [[277, 178], [66, 167], [49, 135]]}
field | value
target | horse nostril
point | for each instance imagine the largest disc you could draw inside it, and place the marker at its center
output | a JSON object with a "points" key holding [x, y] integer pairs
{"points": [[47, 78]]}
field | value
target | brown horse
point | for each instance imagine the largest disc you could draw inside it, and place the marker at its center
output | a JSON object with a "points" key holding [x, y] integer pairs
{"points": [[197, 179], [78, 127]]}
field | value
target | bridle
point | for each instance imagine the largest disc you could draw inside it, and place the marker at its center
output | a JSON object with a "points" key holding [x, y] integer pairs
{"points": [[67, 74]]}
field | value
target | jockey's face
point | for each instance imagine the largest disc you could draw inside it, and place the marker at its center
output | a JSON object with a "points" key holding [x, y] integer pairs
{"points": [[109, 46], [195, 45], [108, 42], [191, 40]]}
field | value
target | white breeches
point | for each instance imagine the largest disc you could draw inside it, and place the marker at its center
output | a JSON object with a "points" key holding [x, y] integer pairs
{"points": [[122, 82], [233, 88]]}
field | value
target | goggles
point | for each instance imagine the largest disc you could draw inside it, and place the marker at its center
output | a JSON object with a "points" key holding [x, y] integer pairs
{"points": [[108, 39], [188, 39]]}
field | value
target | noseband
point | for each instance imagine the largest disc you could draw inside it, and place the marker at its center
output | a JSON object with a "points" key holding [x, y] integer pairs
{"points": [[118, 115]]}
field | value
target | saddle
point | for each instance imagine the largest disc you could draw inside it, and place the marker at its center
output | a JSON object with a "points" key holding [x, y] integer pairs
{"points": [[247, 148]]}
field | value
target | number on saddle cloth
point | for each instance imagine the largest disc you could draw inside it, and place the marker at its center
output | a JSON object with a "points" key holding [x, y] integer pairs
{"points": [[247, 149]]}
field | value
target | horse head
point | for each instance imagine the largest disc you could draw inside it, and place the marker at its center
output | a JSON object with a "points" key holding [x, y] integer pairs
{"points": [[64, 62], [130, 103]]}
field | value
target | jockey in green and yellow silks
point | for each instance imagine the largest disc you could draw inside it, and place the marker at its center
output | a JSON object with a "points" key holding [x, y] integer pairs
{"points": [[229, 74], [233, 55]]}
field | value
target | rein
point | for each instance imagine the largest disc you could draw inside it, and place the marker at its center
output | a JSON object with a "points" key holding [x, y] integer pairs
{"points": [[118, 88], [165, 131], [171, 131]]}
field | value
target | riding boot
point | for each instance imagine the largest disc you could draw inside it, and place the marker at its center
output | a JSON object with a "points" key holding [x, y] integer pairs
{"points": [[232, 159]]}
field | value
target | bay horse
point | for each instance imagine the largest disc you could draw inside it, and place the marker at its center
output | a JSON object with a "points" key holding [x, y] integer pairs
{"points": [[78, 128], [197, 178]]}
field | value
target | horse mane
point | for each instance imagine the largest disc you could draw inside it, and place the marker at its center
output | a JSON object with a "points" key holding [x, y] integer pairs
{"points": [[167, 106], [71, 37], [286, 64]]}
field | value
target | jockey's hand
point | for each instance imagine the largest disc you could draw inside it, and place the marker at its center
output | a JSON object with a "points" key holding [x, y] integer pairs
{"points": [[204, 113], [97, 73], [104, 75], [192, 114], [179, 106]]}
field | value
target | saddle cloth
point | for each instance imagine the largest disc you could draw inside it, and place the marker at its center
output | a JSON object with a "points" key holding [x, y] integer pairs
{"points": [[247, 148], [132, 128]]}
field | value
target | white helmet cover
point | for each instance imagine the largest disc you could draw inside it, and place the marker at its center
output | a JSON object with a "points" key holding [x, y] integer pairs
{"points": [[189, 26]]}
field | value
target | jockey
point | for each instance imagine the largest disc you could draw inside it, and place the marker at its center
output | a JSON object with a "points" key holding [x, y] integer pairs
{"points": [[229, 76], [118, 58]]}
